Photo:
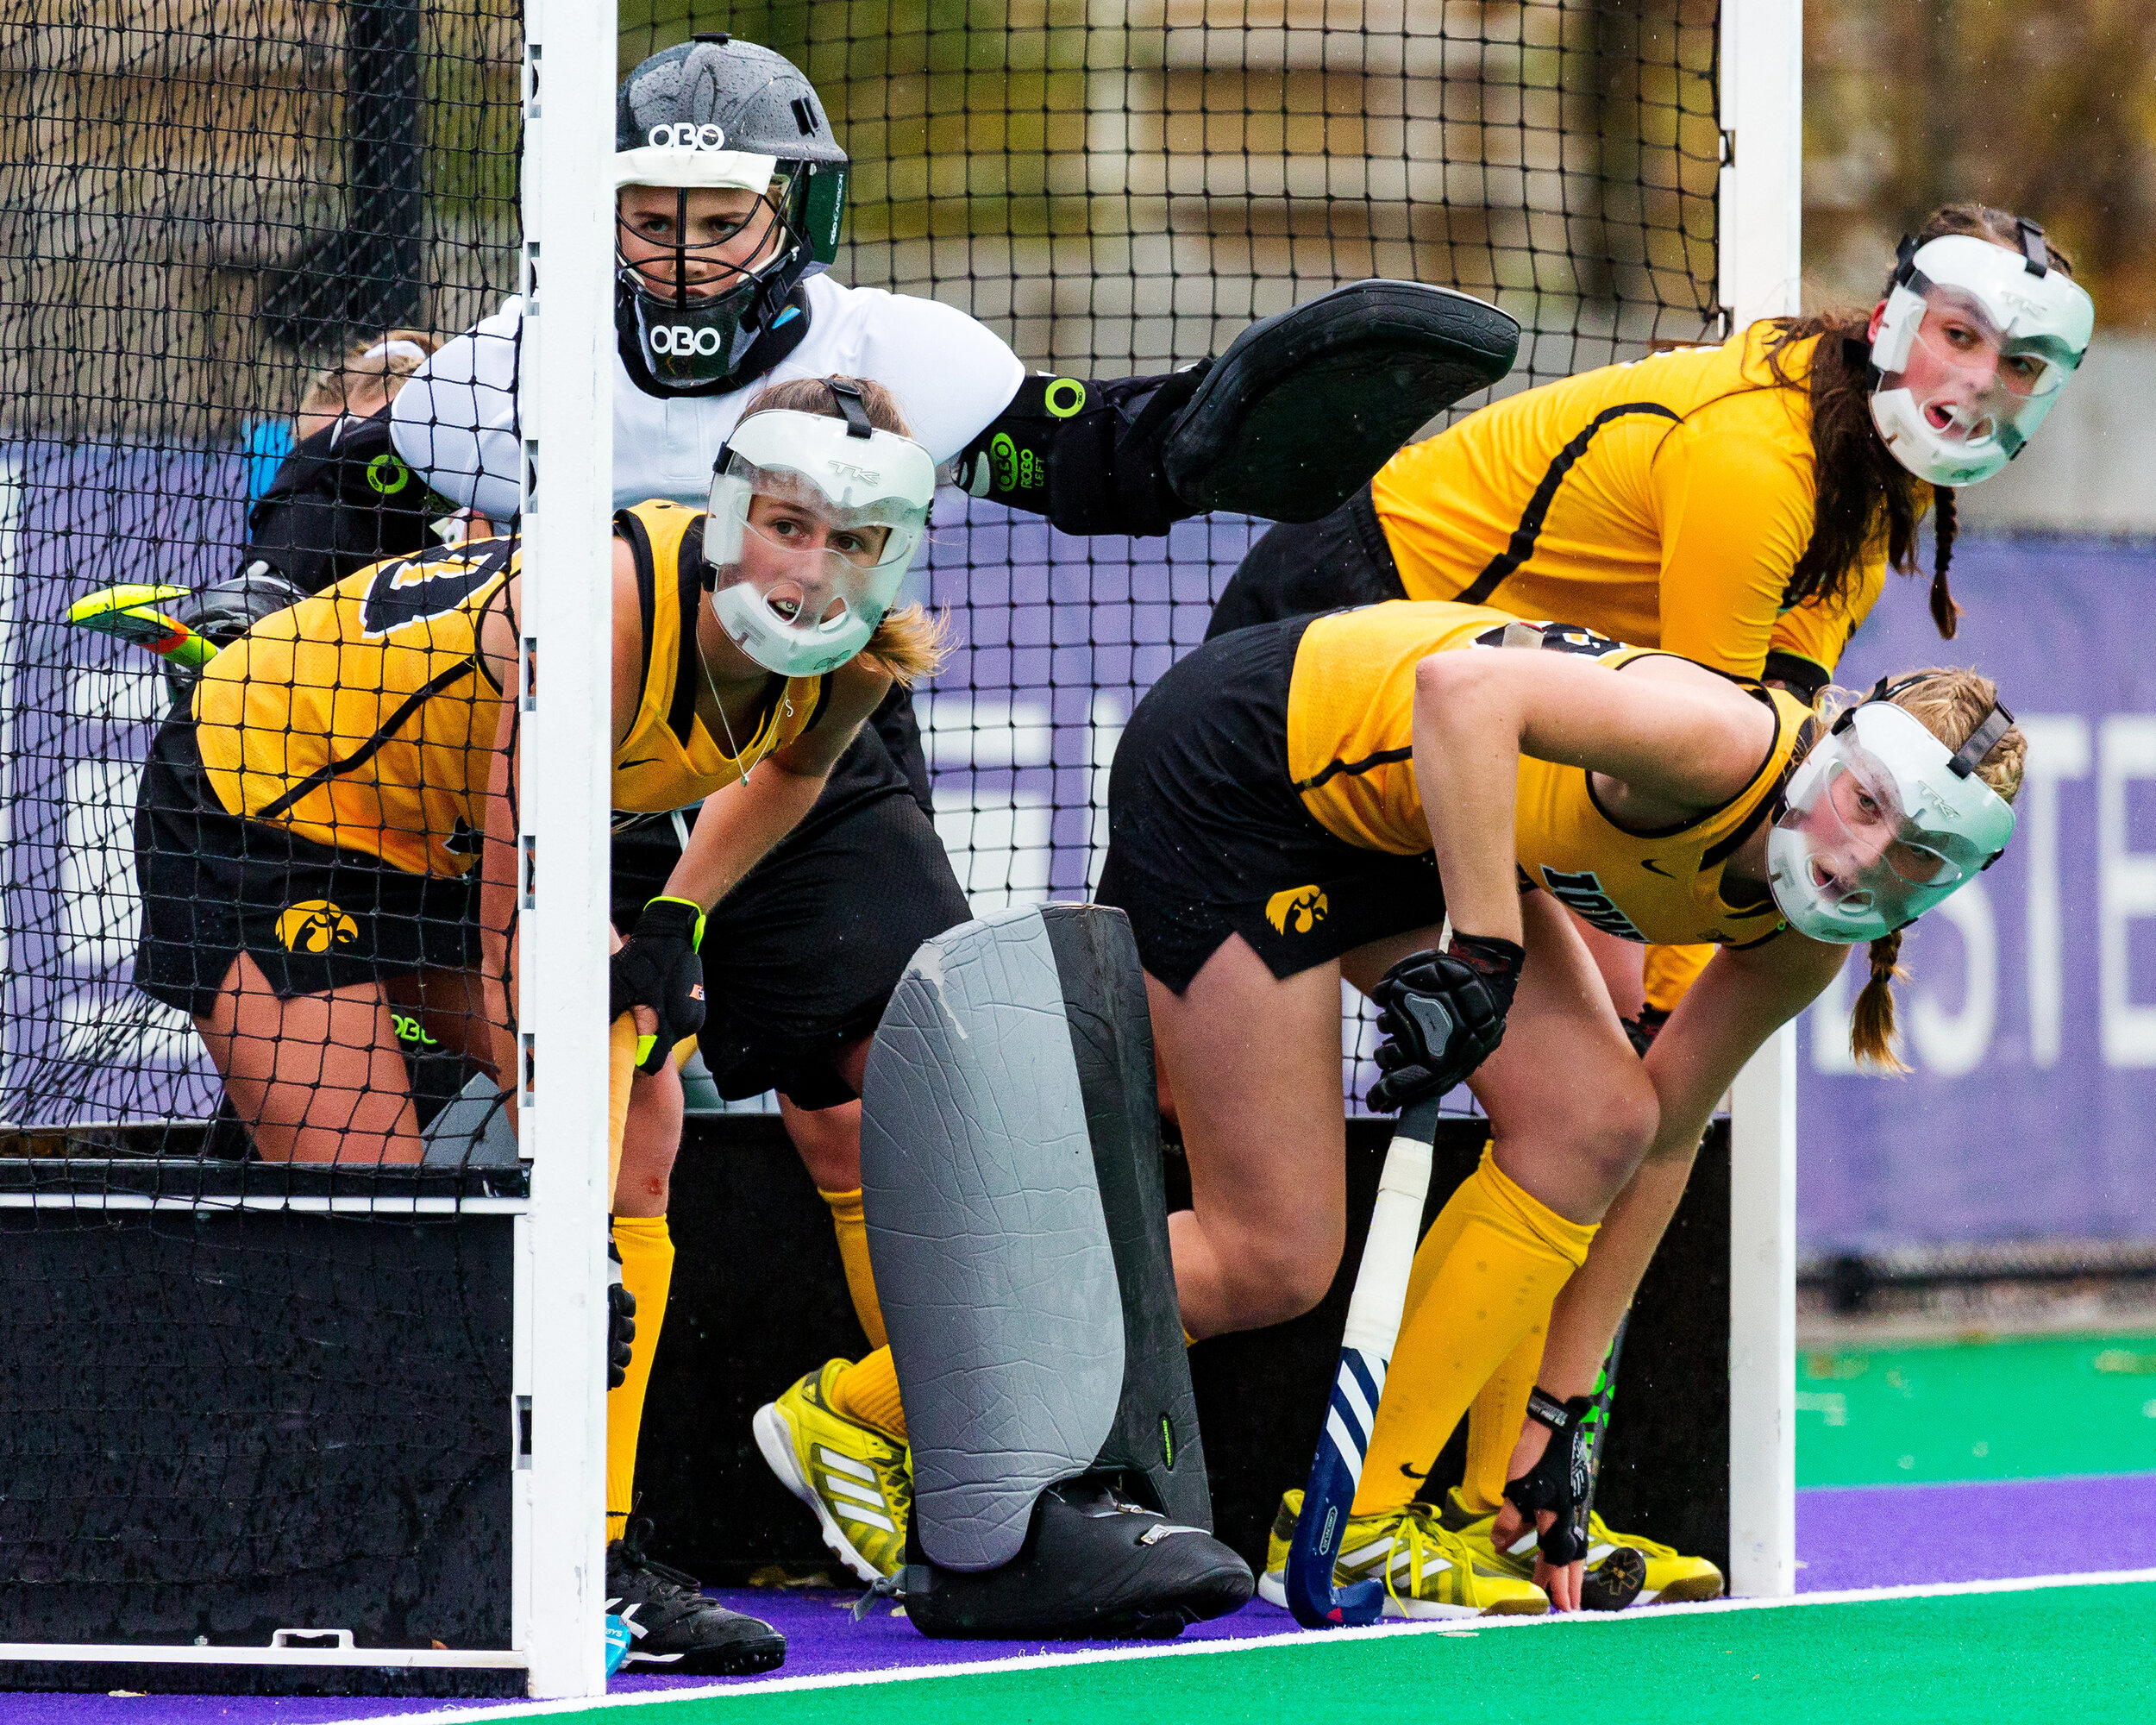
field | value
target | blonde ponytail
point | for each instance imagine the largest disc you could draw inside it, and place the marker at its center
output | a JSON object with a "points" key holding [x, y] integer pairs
{"points": [[1871, 1026]]}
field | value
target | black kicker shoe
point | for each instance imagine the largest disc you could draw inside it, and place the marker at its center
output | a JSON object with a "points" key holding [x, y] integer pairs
{"points": [[673, 1630], [1093, 1565]]}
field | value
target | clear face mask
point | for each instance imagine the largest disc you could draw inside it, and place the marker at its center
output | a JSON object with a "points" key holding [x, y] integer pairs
{"points": [[1867, 844], [1972, 381], [1971, 349], [808, 542]]}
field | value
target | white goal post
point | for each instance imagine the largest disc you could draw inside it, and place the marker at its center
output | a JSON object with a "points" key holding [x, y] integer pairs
{"points": [[1759, 262], [567, 369]]}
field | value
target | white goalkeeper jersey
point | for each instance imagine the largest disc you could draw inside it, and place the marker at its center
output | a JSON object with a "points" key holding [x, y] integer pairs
{"points": [[456, 421]]}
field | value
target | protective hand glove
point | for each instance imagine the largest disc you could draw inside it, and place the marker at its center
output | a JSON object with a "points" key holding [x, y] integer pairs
{"points": [[658, 967], [1443, 1014], [1563, 1481], [621, 1321]]}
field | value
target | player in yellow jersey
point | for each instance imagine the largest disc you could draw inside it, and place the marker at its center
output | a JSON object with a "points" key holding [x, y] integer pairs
{"points": [[1307, 800], [326, 833], [1739, 505]]}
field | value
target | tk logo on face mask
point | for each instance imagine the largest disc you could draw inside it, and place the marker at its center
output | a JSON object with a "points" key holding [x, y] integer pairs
{"points": [[682, 340], [685, 136], [316, 925]]}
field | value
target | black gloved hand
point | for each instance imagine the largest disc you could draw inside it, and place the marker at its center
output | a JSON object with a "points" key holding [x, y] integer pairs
{"points": [[1563, 1481], [1443, 1014], [658, 967], [621, 1321]]}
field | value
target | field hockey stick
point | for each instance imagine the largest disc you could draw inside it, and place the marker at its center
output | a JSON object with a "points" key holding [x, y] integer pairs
{"points": [[130, 613], [1366, 1347]]}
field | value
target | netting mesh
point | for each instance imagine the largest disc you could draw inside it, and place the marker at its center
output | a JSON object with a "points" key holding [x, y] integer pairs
{"points": [[198, 214]]}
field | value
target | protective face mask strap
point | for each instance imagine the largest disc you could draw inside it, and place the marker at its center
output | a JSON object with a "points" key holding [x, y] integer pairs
{"points": [[1996, 723], [848, 398], [2033, 246]]}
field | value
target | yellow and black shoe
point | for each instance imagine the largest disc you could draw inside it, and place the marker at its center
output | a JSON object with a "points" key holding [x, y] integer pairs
{"points": [[1622, 1569], [858, 1482], [1427, 1571], [1672, 1578]]}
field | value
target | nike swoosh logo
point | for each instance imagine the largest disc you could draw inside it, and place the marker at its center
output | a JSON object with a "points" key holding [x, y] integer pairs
{"points": [[1654, 868], [1414, 1473], [641, 760]]}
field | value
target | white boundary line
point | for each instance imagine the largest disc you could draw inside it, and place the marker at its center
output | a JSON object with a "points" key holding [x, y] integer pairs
{"points": [[1455, 1627]]}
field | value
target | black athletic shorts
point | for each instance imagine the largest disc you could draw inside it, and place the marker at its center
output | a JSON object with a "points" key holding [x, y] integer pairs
{"points": [[1299, 568], [315, 919], [803, 955], [1207, 836]]}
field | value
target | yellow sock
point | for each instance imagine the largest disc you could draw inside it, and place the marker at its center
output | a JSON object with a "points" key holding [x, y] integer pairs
{"points": [[868, 1392], [647, 1268], [621, 1072], [852, 1229], [1493, 1423], [1505, 1258]]}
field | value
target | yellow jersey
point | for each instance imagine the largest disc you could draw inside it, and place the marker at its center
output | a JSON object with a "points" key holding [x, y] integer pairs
{"points": [[1665, 503], [365, 718], [1350, 727], [668, 759]]}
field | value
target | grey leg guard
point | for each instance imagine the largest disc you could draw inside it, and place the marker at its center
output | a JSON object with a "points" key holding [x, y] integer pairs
{"points": [[1010, 1154], [472, 1132]]}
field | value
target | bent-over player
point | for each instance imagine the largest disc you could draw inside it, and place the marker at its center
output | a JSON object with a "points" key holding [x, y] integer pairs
{"points": [[1306, 800], [315, 822]]}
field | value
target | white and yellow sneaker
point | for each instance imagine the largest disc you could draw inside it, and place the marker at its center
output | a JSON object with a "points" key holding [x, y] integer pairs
{"points": [[1671, 1577], [858, 1482], [1427, 1571]]}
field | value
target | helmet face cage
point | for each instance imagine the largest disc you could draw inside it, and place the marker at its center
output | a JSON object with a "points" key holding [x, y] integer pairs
{"points": [[689, 339], [1877, 827]]}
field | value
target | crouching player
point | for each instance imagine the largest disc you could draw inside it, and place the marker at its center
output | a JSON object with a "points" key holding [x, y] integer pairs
{"points": [[1307, 800], [311, 821]]}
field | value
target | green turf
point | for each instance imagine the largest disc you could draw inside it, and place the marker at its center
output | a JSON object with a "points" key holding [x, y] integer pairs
{"points": [[2024, 1407], [2028, 1658]]}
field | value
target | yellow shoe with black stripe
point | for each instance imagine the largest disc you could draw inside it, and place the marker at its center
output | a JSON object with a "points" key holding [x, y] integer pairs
{"points": [[856, 1482], [1427, 1571], [1671, 1578]]}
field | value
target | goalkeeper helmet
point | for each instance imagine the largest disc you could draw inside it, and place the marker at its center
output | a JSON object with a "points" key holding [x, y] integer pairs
{"points": [[716, 113], [1974, 343]]}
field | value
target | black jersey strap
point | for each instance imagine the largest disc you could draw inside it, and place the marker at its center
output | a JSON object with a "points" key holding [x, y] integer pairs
{"points": [[1521, 546]]}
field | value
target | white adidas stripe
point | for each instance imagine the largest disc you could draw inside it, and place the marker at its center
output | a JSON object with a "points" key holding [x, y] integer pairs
{"points": [[1353, 1391], [831, 1459], [1349, 1444]]}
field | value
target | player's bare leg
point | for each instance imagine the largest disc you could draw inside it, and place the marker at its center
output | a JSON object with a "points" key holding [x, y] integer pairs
{"points": [[313, 1077], [1253, 1064]]}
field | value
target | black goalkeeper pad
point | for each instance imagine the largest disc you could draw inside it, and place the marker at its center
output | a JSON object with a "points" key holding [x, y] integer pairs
{"points": [[1306, 406], [1010, 1169]]}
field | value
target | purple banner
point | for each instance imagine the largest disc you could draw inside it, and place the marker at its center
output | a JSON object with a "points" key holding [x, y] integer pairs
{"points": [[2030, 1013]]}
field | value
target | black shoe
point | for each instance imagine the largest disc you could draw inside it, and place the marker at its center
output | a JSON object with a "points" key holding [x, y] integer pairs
{"points": [[673, 1629], [1093, 1565]]}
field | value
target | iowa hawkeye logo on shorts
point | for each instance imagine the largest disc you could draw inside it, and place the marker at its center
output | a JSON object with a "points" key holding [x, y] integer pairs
{"points": [[316, 925], [1296, 911], [1582, 893]]}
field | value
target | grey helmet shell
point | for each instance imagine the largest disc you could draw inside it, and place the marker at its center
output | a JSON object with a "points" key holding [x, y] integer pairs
{"points": [[701, 114], [758, 99]]}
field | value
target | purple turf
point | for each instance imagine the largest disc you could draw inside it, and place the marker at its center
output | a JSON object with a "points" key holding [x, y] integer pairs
{"points": [[1973, 1530], [1860, 1536]]}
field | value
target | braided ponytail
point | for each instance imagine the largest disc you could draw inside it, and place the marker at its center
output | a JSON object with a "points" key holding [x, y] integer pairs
{"points": [[1945, 612], [1871, 1026]]}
